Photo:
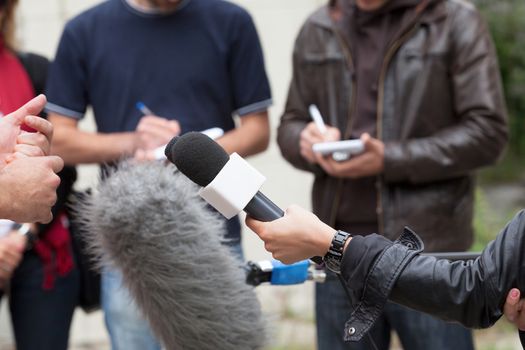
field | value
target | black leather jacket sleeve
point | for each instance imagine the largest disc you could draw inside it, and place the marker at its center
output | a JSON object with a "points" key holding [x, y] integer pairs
{"points": [[471, 292]]}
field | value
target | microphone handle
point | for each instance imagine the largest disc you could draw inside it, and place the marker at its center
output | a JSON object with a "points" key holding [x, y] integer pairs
{"points": [[263, 209]]}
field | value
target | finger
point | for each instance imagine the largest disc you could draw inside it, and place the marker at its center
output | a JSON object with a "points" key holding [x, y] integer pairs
{"points": [[175, 126], [510, 309], [323, 163], [295, 209], [46, 218], [56, 163], [166, 128], [33, 138], [29, 150], [305, 148], [10, 258], [305, 144], [158, 122], [520, 320], [18, 241], [32, 107], [254, 225], [14, 156], [140, 155], [41, 125], [367, 141], [311, 134], [157, 133], [332, 134], [327, 163]]}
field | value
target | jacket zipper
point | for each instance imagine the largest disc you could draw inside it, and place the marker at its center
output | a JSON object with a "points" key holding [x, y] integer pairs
{"points": [[349, 125], [379, 120]]}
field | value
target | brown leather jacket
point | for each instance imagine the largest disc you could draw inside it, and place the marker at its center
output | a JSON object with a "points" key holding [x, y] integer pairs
{"points": [[441, 115]]}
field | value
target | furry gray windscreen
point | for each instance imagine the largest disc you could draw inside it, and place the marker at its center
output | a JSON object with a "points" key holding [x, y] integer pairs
{"points": [[148, 221]]}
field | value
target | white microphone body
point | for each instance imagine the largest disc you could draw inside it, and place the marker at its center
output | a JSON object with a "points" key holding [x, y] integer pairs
{"points": [[233, 187]]}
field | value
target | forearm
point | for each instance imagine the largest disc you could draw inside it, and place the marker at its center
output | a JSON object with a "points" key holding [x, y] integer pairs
{"points": [[459, 291], [468, 292], [250, 137], [80, 147]]}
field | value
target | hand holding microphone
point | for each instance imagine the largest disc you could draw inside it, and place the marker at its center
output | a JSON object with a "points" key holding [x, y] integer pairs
{"points": [[229, 183], [296, 236]]}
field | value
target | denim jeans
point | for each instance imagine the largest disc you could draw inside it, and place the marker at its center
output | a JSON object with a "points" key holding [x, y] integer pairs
{"points": [[41, 318], [127, 327], [416, 330]]}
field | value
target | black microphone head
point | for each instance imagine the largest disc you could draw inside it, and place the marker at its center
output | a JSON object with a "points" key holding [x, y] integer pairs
{"points": [[197, 156]]}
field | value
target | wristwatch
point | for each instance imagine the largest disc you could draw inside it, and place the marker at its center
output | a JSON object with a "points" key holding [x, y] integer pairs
{"points": [[333, 257], [25, 230]]}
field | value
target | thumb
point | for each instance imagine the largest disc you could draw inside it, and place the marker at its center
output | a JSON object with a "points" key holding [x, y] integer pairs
{"points": [[33, 107], [513, 297], [253, 224], [511, 302], [366, 139], [18, 241], [55, 162]]}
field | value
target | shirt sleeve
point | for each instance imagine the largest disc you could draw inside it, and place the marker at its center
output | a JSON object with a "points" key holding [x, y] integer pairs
{"points": [[66, 84], [250, 86]]}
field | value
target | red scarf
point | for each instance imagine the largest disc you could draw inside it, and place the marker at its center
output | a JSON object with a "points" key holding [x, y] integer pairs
{"points": [[15, 85], [54, 250]]}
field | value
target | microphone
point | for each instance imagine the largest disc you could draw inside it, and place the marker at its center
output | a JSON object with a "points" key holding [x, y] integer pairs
{"points": [[278, 274], [229, 183], [147, 220]]}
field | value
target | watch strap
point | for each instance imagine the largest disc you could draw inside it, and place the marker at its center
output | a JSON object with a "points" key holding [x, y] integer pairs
{"points": [[334, 256]]}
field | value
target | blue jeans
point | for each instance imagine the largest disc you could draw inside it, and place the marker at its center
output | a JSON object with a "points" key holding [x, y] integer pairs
{"points": [[127, 327], [41, 318], [416, 330]]}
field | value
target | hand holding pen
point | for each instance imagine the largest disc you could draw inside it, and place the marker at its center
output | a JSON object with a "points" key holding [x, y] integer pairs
{"points": [[158, 153], [154, 131], [316, 132]]}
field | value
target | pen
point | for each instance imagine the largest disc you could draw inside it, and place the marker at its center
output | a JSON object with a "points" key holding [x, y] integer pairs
{"points": [[143, 108], [317, 118]]}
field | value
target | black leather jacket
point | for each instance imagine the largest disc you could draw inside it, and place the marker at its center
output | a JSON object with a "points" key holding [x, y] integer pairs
{"points": [[470, 292]]}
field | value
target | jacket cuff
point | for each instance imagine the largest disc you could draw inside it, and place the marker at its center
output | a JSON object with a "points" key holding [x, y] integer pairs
{"points": [[359, 256], [371, 267]]}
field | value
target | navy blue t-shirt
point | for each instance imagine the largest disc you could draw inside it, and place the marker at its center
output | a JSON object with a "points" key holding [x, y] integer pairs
{"points": [[201, 65]]}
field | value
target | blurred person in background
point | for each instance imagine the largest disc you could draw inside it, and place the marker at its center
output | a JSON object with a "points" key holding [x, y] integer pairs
{"points": [[418, 82], [195, 64], [43, 288]]}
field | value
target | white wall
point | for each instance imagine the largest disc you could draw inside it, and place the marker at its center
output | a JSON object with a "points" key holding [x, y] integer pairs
{"points": [[278, 21]]}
